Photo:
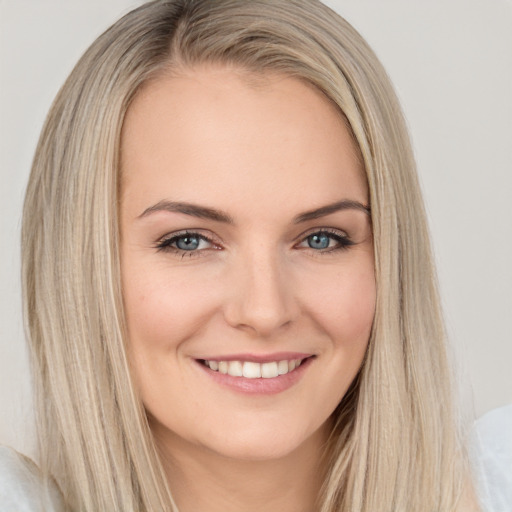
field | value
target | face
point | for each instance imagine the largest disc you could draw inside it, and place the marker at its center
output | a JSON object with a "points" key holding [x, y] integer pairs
{"points": [[247, 260]]}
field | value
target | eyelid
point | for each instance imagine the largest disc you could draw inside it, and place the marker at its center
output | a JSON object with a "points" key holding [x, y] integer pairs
{"points": [[164, 242], [333, 231], [343, 239]]}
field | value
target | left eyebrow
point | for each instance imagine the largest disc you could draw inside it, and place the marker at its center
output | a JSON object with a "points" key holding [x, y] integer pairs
{"points": [[346, 204], [194, 210]]}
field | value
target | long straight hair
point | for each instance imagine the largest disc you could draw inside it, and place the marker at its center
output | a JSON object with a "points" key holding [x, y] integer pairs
{"points": [[394, 446]]}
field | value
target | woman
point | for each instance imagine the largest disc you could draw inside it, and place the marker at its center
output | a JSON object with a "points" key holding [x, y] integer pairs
{"points": [[228, 280]]}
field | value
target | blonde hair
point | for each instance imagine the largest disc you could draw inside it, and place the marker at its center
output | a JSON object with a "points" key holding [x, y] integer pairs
{"points": [[395, 445]]}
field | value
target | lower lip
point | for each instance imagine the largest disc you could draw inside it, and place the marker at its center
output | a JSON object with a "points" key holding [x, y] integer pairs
{"points": [[258, 386]]}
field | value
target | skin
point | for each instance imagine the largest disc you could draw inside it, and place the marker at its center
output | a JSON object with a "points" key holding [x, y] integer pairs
{"points": [[263, 150]]}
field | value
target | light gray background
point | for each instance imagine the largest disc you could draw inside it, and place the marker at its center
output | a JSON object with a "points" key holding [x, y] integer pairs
{"points": [[451, 62]]}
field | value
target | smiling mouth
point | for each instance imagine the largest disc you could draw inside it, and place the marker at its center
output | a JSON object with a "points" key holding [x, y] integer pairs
{"points": [[253, 370]]}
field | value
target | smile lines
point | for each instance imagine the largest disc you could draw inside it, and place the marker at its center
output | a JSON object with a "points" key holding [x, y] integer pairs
{"points": [[252, 370]]}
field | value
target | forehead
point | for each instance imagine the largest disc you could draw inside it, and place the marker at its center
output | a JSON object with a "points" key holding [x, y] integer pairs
{"points": [[226, 135]]}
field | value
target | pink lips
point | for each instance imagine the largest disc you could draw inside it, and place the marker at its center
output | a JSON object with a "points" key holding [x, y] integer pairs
{"points": [[258, 386]]}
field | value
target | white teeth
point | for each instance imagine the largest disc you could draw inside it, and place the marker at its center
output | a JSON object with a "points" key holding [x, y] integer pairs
{"points": [[269, 370], [252, 370], [282, 367], [235, 368]]}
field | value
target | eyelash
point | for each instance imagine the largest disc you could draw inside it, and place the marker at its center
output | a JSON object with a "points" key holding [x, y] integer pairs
{"points": [[343, 242], [166, 244]]}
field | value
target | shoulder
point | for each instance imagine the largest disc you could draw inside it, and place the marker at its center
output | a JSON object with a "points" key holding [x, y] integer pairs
{"points": [[21, 485], [492, 458]]}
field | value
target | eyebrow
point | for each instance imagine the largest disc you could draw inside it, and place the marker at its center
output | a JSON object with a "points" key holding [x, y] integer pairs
{"points": [[193, 210], [203, 212], [346, 204]]}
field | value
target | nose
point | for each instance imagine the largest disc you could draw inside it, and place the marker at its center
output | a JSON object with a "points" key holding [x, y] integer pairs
{"points": [[262, 300]]}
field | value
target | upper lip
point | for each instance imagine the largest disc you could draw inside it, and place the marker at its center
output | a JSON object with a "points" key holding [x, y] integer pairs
{"points": [[258, 358]]}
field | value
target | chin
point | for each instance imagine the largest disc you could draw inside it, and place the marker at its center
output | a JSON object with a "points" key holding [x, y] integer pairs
{"points": [[254, 449], [259, 444]]}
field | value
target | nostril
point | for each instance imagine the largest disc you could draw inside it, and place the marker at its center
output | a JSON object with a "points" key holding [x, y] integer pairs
{"points": [[261, 298]]}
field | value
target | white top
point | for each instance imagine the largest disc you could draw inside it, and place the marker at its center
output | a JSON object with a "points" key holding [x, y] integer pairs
{"points": [[21, 489], [492, 457]]}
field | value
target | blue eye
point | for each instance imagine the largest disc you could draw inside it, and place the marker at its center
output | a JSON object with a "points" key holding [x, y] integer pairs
{"points": [[319, 241], [187, 242], [326, 241]]}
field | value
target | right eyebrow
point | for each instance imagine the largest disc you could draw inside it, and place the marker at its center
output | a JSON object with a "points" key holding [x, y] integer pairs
{"points": [[346, 204], [194, 210]]}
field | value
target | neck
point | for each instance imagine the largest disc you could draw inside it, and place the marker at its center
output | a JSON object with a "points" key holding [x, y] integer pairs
{"points": [[201, 479]]}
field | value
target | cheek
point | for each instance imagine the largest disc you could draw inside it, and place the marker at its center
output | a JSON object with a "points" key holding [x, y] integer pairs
{"points": [[164, 310], [164, 307], [343, 302], [344, 312]]}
